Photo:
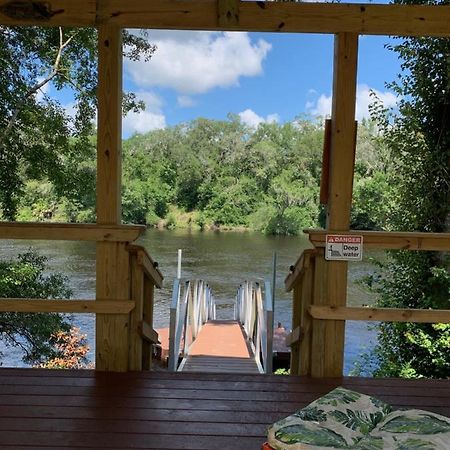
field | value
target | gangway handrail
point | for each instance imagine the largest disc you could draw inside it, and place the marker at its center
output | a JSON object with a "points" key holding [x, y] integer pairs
{"points": [[255, 313], [190, 309]]}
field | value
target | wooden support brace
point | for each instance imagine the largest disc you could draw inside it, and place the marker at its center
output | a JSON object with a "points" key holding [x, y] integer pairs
{"points": [[380, 314], [148, 333], [228, 13], [293, 337], [34, 305]]}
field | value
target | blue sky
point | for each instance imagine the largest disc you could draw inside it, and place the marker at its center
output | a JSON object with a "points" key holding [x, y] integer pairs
{"points": [[260, 76]]}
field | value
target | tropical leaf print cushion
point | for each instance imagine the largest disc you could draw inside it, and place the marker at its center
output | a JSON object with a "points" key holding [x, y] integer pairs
{"points": [[344, 419], [410, 430], [339, 419]]}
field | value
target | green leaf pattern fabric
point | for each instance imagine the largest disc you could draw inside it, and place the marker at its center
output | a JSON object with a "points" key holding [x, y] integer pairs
{"points": [[344, 419]]}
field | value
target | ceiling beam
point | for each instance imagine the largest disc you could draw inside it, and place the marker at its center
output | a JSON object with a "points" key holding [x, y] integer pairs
{"points": [[412, 20]]}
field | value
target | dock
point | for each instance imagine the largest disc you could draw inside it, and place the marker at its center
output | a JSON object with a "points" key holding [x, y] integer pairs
{"points": [[201, 343]]}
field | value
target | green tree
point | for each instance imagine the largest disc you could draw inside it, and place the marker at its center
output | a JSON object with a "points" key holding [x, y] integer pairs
{"points": [[39, 139], [418, 138], [33, 333]]}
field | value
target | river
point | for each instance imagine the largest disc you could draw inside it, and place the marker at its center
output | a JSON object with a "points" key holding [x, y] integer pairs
{"points": [[224, 259]]}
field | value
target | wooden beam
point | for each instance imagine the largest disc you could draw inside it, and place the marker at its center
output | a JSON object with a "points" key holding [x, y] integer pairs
{"points": [[79, 13], [293, 337], [137, 294], [342, 154], [148, 333], [33, 305], [113, 265], [325, 176], [298, 269], [394, 240], [109, 134], [228, 13], [404, 20], [146, 262], [380, 314], [70, 231]]}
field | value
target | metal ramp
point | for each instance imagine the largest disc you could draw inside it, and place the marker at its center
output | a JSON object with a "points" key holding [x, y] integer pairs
{"points": [[200, 343]]}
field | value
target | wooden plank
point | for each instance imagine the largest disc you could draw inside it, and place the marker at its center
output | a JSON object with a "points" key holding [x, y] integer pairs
{"points": [[109, 134], [293, 337], [297, 270], [380, 314], [318, 330], [80, 13], [228, 12], [342, 156], [148, 333], [394, 240], [113, 282], [147, 346], [137, 294], [66, 306], [325, 176], [112, 262], [405, 20], [150, 267], [70, 231], [306, 348]]}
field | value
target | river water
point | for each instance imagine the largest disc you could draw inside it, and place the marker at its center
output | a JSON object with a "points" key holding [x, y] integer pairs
{"points": [[223, 259]]}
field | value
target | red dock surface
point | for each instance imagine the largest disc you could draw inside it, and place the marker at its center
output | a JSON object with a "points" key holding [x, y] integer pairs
{"points": [[221, 346]]}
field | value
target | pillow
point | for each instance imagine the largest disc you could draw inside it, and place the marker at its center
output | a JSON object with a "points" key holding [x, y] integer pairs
{"points": [[409, 430], [339, 419]]}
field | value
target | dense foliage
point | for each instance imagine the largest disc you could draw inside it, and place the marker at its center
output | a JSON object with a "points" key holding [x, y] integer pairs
{"points": [[210, 173], [40, 138], [418, 139], [33, 333]]}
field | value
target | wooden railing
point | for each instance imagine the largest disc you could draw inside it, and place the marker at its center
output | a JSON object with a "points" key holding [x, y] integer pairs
{"points": [[192, 306], [254, 310], [136, 309], [311, 311]]}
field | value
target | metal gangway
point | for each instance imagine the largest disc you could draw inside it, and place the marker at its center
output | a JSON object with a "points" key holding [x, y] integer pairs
{"points": [[198, 342]]}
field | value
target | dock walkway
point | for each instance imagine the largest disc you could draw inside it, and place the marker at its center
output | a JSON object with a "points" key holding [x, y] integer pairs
{"points": [[221, 346]]}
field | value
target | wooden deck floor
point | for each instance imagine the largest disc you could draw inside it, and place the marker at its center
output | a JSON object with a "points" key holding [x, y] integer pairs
{"points": [[42, 409], [221, 346]]}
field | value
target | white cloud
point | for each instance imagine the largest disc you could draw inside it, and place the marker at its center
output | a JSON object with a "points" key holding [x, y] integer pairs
{"points": [[322, 105], [250, 118], [196, 62], [149, 119], [185, 101]]}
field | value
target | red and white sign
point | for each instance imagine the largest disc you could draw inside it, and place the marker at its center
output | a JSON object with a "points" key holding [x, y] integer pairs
{"points": [[343, 247]]}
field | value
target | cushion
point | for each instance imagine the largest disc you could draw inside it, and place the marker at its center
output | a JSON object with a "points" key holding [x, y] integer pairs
{"points": [[340, 419], [409, 430]]}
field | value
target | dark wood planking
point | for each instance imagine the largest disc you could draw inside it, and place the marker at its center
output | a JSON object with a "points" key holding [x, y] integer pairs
{"points": [[71, 409]]}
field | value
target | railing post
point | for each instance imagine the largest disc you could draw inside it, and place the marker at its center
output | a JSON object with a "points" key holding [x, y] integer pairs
{"points": [[147, 347], [320, 330], [137, 315], [269, 303], [174, 308]]}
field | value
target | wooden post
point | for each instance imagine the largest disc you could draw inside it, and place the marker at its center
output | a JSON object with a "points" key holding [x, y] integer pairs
{"points": [[296, 320], [320, 334], [136, 316], [149, 294], [306, 349], [340, 189], [112, 267]]}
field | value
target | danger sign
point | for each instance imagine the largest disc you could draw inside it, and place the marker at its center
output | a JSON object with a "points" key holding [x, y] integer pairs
{"points": [[340, 247]]}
